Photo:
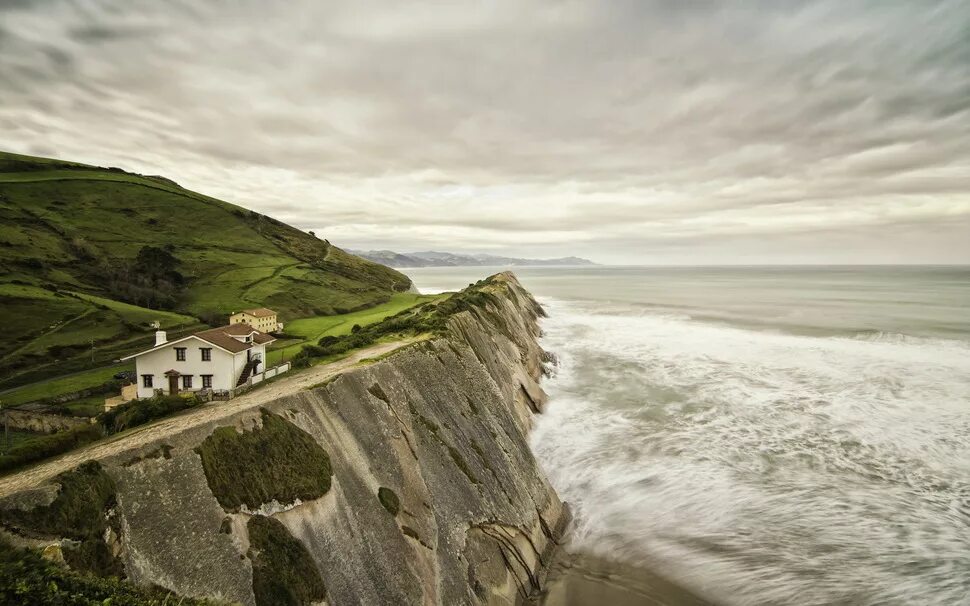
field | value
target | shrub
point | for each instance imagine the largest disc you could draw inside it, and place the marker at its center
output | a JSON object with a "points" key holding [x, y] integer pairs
{"points": [[120, 418], [78, 513], [389, 500], [51, 445], [139, 412], [32, 263], [278, 461], [284, 573], [77, 510], [27, 578], [214, 318]]}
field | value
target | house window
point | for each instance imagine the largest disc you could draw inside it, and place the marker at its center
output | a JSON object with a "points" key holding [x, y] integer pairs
{"points": [[186, 381], [206, 354], [146, 380], [180, 354], [206, 381]]}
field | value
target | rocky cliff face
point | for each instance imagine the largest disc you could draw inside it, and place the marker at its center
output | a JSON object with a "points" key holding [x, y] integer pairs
{"points": [[408, 481]]}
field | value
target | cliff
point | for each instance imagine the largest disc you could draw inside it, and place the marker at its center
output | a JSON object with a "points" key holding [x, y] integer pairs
{"points": [[408, 481]]}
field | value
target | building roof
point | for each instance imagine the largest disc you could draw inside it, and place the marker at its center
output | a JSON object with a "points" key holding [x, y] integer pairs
{"points": [[225, 337], [222, 337], [259, 312]]}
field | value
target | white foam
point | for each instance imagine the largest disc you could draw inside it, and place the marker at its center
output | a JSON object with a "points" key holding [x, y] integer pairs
{"points": [[778, 468]]}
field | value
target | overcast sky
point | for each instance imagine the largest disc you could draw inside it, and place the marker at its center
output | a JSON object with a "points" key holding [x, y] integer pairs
{"points": [[627, 132]]}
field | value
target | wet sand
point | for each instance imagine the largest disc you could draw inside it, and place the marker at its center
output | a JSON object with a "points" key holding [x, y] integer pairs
{"points": [[578, 579]]}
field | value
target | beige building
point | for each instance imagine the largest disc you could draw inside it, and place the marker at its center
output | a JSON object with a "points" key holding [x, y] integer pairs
{"points": [[261, 319]]}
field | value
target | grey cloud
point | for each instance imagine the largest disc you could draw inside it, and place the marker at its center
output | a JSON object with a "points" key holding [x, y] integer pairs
{"points": [[561, 123]]}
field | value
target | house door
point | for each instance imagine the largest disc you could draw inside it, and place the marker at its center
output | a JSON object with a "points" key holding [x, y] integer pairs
{"points": [[173, 385]]}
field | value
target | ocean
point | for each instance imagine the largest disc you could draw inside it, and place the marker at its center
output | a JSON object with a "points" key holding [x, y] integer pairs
{"points": [[761, 435]]}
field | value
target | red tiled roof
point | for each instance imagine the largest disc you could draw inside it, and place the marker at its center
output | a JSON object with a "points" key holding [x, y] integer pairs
{"points": [[259, 312], [224, 337]]}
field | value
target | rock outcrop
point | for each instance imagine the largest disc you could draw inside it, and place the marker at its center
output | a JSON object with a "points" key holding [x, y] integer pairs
{"points": [[406, 481]]}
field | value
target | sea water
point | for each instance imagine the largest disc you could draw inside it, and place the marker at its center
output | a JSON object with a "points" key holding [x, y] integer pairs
{"points": [[762, 435]]}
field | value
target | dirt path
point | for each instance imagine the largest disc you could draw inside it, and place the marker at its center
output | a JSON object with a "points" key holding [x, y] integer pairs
{"points": [[289, 384]]}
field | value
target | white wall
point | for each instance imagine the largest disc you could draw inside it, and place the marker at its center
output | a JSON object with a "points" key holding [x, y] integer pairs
{"points": [[270, 373], [224, 367]]}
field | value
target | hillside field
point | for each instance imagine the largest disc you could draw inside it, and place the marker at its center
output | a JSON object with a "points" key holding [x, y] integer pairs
{"points": [[92, 256]]}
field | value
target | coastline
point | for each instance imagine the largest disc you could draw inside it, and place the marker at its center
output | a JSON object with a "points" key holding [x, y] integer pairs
{"points": [[578, 578]]}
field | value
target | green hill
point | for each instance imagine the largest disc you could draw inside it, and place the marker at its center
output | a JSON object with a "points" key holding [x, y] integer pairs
{"points": [[90, 256]]}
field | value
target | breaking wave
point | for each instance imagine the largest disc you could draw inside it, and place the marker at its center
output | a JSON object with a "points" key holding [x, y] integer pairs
{"points": [[763, 467]]}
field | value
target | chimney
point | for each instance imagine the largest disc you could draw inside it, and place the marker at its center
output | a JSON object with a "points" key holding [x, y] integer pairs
{"points": [[160, 338]]}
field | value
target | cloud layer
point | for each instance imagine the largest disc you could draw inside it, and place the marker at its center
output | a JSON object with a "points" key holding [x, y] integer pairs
{"points": [[652, 132]]}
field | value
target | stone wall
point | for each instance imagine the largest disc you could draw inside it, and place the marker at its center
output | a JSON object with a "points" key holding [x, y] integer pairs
{"points": [[40, 422]]}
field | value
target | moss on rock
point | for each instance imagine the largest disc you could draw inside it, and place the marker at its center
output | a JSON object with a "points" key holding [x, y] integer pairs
{"points": [[26, 577], [284, 573], [78, 512], [389, 500], [278, 461]]}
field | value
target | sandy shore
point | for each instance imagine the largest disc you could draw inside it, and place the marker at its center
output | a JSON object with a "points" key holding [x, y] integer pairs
{"points": [[579, 579]]}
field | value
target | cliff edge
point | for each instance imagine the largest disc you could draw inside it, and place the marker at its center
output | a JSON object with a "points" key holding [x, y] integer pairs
{"points": [[407, 481]]}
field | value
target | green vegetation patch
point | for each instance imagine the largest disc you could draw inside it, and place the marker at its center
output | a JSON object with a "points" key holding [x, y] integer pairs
{"points": [[45, 446], [431, 317], [78, 512], [41, 391], [27, 578], [278, 461], [389, 500], [120, 418], [311, 330], [284, 573], [139, 412], [94, 254]]}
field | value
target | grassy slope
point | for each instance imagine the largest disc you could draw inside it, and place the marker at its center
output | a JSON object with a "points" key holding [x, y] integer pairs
{"points": [[233, 258], [67, 384], [310, 330]]}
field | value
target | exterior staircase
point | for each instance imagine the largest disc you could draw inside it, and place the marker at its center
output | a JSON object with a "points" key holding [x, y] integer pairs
{"points": [[247, 371]]}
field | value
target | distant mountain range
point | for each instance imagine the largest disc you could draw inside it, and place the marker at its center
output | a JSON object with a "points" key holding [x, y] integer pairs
{"points": [[444, 259]]}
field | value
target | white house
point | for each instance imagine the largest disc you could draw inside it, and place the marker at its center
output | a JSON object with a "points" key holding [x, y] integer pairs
{"points": [[218, 359]]}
